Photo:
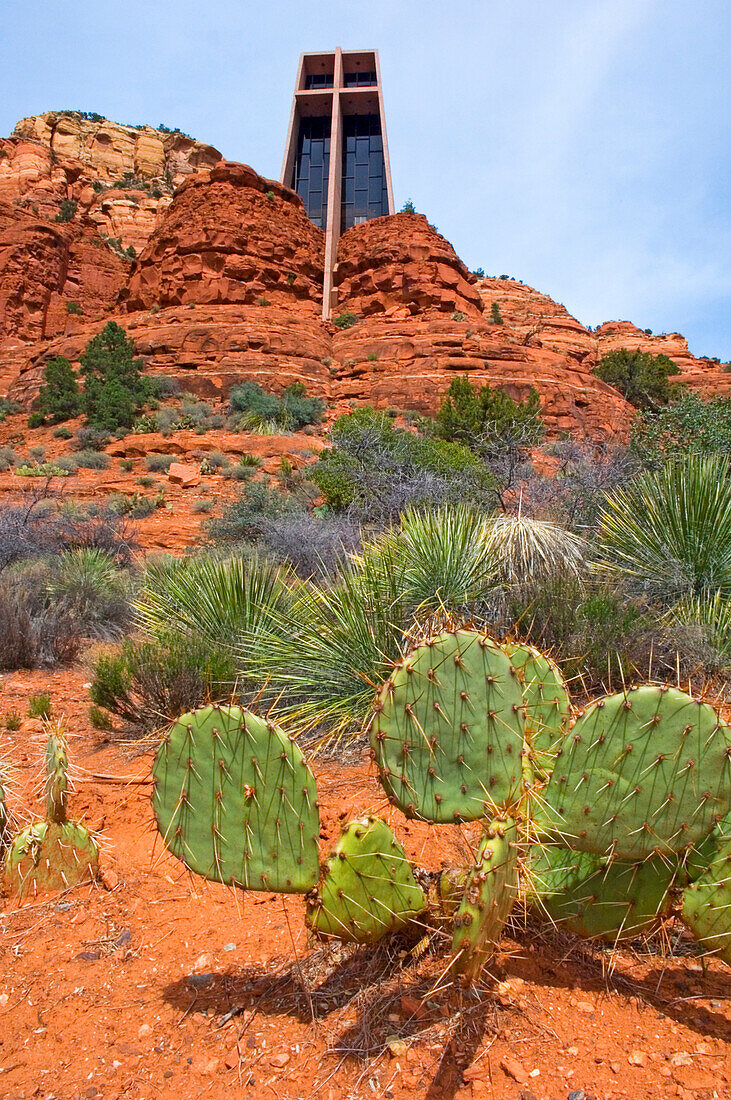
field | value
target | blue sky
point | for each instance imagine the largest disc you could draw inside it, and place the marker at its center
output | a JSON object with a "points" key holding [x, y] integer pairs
{"points": [[583, 146]]}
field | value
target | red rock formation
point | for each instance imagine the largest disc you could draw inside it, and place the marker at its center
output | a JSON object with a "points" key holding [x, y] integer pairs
{"points": [[400, 266], [230, 236]]}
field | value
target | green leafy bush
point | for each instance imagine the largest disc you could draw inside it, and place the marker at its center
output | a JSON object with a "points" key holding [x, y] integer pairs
{"points": [[67, 211], [59, 397], [345, 320], [159, 464], [378, 469], [640, 377], [39, 706], [690, 424], [92, 460], [477, 417], [7, 407], [290, 412], [114, 389], [244, 520], [150, 683]]}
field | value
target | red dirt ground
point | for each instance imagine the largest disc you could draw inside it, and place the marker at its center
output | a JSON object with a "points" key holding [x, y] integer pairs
{"points": [[155, 985]]}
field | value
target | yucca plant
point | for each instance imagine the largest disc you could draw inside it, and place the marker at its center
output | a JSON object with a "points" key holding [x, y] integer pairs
{"points": [[711, 612], [669, 530], [527, 550], [226, 603], [325, 655]]}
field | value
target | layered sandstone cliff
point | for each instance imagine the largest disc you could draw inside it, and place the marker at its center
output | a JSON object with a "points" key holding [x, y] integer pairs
{"points": [[222, 282]]}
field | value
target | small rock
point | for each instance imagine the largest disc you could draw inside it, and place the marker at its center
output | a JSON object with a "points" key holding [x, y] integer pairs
{"points": [[585, 1006], [397, 1047], [202, 962], [515, 1069], [144, 1031], [412, 1006], [62, 907], [637, 1058], [232, 1059], [577, 1094], [185, 476], [615, 1067], [229, 947], [279, 1061], [110, 878], [681, 1058], [209, 1068], [4, 998]]}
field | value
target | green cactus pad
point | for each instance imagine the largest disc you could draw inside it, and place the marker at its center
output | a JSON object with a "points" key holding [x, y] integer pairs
{"points": [[368, 889], [449, 728], [707, 905], [236, 802], [702, 854], [57, 766], [647, 769], [450, 889], [50, 856], [596, 899], [547, 704], [489, 895]]}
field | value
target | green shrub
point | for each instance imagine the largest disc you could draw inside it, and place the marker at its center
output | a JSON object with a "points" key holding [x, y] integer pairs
{"points": [[159, 464], [91, 439], [67, 211], [92, 460], [59, 397], [689, 425], [457, 316], [150, 683], [495, 314], [39, 706], [114, 389], [477, 416], [7, 407], [147, 482], [35, 420], [290, 412], [200, 506], [379, 469], [213, 461], [13, 721], [7, 458], [345, 320], [408, 208], [126, 465], [640, 377], [245, 518], [99, 718], [63, 433], [75, 309], [67, 463]]}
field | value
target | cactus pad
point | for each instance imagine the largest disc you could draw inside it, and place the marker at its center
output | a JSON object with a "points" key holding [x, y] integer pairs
{"points": [[57, 766], [488, 898], [596, 899], [547, 705], [50, 856], [702, 854], [448, 730], [647, 769], [707, 905], [369, 888], [236, 802]]}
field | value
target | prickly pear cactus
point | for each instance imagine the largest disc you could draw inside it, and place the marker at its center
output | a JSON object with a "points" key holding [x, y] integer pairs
{"points": [[702, 854], [368, 889], [646, 769], [236, 802], [57, 766], [489, 896], [596, 899], [49, 855], [707, 905], [547, 705], [448, 730]]}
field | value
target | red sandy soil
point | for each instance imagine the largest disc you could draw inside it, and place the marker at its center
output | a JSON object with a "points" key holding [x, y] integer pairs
{"points": [[151, 984]]}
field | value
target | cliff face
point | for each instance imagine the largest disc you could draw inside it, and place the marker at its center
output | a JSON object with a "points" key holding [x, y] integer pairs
{"points": [[222, 282]]}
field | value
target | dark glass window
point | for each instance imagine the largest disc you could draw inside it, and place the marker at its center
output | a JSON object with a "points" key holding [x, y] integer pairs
{"points": [[359, 80], [319, 80], [364, 191], [311, 167]]}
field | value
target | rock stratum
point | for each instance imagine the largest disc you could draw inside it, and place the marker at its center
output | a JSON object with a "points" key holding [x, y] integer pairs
{"points": [[216, 273]]}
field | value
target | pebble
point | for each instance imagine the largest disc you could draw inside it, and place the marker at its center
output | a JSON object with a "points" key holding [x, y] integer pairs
{"points": [[279, 1061], [515, 1069], [229, 947], [144, 1031], [637, 1058]]}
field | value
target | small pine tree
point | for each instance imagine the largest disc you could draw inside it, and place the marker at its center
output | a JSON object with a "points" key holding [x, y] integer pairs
{"points": [[641, 377], [474, 416], [497, 317], [113, 384], [59, 398]]}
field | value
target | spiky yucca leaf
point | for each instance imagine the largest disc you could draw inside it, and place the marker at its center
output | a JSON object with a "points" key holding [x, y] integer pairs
{"points": [[669, 530], [329, 652], [529, 550], [712, 612], [222, 602], [326, 654], [447, 560]]}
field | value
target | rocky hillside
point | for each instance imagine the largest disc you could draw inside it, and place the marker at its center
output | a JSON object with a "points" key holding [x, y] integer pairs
{"points": [[216, 273]]}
